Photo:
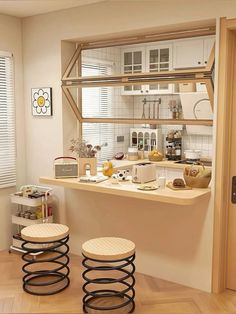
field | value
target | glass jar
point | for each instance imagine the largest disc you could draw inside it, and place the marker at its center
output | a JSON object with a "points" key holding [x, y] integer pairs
{"points": [[132, 153]]}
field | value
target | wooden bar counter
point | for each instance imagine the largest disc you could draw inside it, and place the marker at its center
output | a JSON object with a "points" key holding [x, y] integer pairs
{"points": [[129, 189]]}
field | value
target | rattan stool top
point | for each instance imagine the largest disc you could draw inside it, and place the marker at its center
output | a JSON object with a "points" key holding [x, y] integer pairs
{"points": [[108, 248], [44, 232]]}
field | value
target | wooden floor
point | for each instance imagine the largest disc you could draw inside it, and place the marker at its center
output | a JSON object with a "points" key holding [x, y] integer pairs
{"points": [[153, 296]]}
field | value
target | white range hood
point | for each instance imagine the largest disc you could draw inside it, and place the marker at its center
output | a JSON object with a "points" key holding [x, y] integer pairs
{"points": [[197, 106]]}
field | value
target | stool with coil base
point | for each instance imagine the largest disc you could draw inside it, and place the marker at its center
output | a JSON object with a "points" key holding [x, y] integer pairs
{"points": [[47, 274], [109, 274]]}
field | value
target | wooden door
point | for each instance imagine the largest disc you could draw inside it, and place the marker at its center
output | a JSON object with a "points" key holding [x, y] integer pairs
{"points": [[224, 253], [231, 238]]}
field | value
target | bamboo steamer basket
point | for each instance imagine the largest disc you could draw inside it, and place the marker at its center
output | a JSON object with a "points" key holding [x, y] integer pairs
{"points": [[197, 176]]}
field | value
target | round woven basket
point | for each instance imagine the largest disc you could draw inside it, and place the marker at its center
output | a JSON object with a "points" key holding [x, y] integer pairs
{"points": [[202, 180], [155, 158]]}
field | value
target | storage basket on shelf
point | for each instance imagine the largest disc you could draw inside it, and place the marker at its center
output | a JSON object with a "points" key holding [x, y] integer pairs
{"points": [[197, 176]]}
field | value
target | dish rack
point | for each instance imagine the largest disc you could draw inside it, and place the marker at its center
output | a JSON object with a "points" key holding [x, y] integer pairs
{"points": [[35, 203]]}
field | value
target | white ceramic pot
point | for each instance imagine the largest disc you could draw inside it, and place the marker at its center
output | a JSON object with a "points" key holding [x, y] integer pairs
{"points": [[192, 154]]}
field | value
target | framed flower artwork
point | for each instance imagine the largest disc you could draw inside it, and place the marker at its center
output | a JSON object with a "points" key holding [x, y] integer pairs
{"points": [[41, 99]]}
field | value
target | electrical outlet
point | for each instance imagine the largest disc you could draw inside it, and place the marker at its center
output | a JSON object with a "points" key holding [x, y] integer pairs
{"points": [[120, 138]]}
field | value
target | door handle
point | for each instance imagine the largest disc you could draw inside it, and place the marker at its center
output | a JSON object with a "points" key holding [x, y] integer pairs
{"points": [[233, 196]]}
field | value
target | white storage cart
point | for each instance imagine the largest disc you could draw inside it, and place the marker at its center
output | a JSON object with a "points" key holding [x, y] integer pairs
{"points": [[24, 205]]}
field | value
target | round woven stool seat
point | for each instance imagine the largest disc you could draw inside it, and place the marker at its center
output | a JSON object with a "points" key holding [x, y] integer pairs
{"points": [[108, 248], [109, 274], [44, 232], [47, 274]]}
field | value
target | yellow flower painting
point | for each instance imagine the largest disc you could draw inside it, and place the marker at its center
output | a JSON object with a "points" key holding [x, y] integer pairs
{"points": [[41, 101]]}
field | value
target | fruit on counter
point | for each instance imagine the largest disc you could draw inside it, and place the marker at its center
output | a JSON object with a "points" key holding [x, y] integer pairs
{"points": [[119, 156], [107, 169]]}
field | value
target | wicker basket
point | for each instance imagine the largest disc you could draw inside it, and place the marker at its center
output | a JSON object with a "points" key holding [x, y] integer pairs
{"points": [[197, 176], [155, 158]]}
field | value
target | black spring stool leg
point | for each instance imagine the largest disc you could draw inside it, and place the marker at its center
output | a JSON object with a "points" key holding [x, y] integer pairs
{"points": [[124, 276], [39, 278]]}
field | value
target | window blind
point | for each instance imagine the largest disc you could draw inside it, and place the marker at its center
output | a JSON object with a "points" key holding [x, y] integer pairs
{"points": [[97, 103], [7, 122]]}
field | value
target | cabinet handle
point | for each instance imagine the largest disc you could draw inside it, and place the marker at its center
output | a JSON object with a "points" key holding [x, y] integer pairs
{"points": [[141, 91], [199, 62], [147, 91], [205, 62]]}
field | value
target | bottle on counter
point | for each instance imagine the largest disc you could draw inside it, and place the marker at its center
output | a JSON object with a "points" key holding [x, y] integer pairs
{"points": [[178, 151], [107, 168]]}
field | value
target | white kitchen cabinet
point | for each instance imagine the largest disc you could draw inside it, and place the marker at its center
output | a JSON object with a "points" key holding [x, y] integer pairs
{"points": [[192, 53], [133, 61], [159, 58], [147, 59]]}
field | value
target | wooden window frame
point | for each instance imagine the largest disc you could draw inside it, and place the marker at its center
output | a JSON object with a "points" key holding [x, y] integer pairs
{"points": [[203, 75]]}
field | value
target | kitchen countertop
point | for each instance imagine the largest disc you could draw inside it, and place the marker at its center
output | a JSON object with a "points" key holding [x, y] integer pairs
{"points": [[129, 189], [164, 163]]}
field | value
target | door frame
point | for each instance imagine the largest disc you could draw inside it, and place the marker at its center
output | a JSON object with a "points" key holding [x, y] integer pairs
{"points": [[226, 99]]}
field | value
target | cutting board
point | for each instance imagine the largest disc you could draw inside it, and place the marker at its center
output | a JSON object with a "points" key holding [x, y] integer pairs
{"points": [[170, 185]]}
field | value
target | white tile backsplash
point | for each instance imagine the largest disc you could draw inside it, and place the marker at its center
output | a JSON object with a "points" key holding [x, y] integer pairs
{"points": [[132, 107]]}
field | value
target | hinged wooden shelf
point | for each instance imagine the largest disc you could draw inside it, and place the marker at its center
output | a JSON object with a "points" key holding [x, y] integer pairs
{"points": [[189, 75]]}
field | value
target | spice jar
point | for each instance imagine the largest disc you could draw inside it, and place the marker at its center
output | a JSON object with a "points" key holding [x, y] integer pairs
{"points": [[33, 216]]}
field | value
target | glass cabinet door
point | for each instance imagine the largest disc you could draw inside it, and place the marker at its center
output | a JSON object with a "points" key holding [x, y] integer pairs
{"points": [[133, 62], [158, 59]]}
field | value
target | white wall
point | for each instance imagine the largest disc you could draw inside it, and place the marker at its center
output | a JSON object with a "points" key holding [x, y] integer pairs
{"points": [[173, 242], [11, 40]]}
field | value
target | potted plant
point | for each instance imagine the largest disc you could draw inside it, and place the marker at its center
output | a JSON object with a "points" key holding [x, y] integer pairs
{"points": [[86, 154]]}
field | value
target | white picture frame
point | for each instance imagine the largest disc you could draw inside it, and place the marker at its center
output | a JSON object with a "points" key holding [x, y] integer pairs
{"points": [[41, 101]]}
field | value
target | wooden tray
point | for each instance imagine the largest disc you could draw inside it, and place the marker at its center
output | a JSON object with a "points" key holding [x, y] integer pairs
{"points": [[170, 185]]}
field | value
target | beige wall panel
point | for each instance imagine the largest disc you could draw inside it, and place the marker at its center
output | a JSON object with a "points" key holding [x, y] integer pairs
{"points": [[11, 40]]}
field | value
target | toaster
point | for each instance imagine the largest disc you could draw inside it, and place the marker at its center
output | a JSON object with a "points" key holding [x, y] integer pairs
{"points": [[143, 172], [65, 167]]}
